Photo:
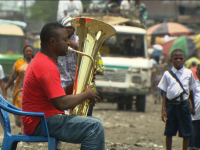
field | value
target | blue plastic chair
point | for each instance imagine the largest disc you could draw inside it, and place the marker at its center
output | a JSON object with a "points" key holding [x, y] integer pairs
{"points": [[10, 141]]}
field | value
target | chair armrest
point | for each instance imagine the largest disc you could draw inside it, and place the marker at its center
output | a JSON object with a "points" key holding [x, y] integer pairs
{"points": [[34, 114], [12, 106]]}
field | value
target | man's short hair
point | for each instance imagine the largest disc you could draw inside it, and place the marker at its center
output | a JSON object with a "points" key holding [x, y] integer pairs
{"points": [[48, 31], [177, 50], [194, 63]]}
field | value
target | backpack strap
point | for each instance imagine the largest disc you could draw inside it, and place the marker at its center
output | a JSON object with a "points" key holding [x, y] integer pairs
{"points": [[181, 95]]}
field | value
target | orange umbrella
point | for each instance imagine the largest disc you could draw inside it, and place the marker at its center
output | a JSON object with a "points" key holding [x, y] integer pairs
{"points": [[166, 47], [169, 28], [158, 40]]}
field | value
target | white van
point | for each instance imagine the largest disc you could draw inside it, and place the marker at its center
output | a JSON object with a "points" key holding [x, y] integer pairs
{"points": [[127, 72]]}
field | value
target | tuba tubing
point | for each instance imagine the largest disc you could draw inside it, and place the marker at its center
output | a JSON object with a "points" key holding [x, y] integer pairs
{"points": [[92, 33]]}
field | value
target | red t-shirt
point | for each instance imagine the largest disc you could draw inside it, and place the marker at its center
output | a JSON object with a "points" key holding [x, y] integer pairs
{"points": [[41, 83]]}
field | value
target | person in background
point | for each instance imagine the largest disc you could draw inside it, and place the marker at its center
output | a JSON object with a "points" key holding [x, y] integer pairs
{"points": [[67, 64], [193, 69], [17, 75], [142, 10], [72, 8], [2, 76], [126, 7], [43, 92], [178, 102], [188, 63], [113, 5], [156, 75], [152, 60], [156, 72], [194, 143]]}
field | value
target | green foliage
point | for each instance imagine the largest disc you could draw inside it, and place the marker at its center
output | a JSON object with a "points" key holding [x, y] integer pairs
{"points": [[44, 10]]}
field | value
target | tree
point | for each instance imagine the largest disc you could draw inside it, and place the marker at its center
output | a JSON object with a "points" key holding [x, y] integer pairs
{"points": [[44, 10]]}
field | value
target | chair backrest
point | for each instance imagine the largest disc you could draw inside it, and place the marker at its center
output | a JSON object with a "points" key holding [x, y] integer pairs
{"points": [[4, 118]]}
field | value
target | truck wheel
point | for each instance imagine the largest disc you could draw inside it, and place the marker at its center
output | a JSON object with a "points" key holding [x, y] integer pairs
{"points": [[129, 103], [120, 106], [129, 106], [140, 103]]}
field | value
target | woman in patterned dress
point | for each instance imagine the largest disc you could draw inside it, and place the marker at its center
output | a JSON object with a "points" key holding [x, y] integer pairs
{"points": [[157, 72], [17, 77]]}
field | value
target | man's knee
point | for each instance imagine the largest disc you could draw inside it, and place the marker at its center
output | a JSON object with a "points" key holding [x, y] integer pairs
{"points": [[97, 123], [100, 124]]}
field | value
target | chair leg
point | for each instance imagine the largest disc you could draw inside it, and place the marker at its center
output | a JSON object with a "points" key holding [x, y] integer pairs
{"points": [[52, 143], [14, 145]]}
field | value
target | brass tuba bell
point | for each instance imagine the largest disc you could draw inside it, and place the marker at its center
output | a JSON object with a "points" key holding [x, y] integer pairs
{"points": [[92, 33]]}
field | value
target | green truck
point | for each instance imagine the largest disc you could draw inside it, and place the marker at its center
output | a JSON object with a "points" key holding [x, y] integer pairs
{"points": [[11, 43]]}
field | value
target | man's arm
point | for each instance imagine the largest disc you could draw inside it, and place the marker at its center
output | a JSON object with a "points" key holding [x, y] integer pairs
{"points": [[191, 99], [69, 88], [10, 82], [164, 113], [73, 44], [3, 89], [71, 101]]}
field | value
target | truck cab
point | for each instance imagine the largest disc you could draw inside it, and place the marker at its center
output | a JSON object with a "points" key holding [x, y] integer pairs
{"points": [[127, 72]]}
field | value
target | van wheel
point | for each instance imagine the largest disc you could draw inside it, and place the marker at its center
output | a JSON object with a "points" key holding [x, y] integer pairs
{"points": [[129, 106], [120, 106], [129, 103], [140, 103]]}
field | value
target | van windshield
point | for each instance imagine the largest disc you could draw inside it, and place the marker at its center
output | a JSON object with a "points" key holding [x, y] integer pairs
{"points": [[11, 44], [123, 45]]}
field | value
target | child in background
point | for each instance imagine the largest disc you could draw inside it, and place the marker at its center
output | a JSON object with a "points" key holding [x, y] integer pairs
{"points": [[176, 112], [194, 143]]}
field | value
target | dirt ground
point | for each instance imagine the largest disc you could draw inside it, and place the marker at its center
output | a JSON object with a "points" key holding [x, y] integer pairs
{"points": [[124, 130]]}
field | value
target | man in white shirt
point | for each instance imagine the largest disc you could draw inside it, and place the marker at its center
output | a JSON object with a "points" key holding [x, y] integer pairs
{"points": [[176, 110], [71, 8]]}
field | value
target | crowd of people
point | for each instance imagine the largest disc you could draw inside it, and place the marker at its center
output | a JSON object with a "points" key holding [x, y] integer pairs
{"points": [[127, 8]]}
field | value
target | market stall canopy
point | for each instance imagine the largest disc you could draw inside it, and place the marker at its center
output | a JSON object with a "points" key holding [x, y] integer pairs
{"points": [[169, 28], [190, 45], [166, 47], [158, 40]]}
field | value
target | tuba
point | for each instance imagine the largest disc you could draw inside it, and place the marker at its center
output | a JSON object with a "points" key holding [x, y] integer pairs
{"points": [[92, 33]]}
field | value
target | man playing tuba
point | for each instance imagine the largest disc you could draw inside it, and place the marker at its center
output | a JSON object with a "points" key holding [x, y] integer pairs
{"points": [[43, 92]]}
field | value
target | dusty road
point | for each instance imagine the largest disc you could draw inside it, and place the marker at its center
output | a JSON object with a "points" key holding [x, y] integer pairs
{"points": [[124, 130]]}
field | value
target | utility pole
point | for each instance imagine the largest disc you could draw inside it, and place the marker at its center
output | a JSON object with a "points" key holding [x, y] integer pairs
{"points": [[25, 17], [25, 11], [176, 11]]}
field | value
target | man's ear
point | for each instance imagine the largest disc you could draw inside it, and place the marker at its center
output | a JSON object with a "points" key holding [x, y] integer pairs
{"points": [[52, 41]]}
